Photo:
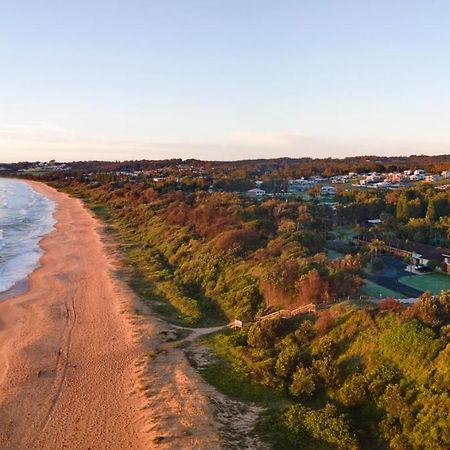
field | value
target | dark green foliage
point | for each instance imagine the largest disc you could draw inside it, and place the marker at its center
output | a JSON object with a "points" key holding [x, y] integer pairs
{"points": [[211, 256], [377, 264], [303, 382], [299, 427], [374, 378]]}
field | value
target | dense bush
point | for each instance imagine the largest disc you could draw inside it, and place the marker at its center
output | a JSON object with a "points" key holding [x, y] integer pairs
{"points": [[371, 378]]}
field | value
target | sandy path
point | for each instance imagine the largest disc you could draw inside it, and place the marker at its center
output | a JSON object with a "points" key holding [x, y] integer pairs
{"points": [[66, 352]]}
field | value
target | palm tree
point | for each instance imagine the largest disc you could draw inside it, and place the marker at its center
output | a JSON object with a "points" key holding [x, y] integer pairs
{"points": [[375, 246]]}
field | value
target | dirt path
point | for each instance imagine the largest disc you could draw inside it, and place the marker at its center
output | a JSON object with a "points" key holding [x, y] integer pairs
{"points": [[186, 410]]}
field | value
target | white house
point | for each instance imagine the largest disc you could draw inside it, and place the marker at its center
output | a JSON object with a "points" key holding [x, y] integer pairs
{"points": [[418, 175], [256, 193]]}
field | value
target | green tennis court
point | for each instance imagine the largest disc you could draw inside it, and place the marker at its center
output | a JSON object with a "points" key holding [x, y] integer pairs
{"points": [[434, 282]]}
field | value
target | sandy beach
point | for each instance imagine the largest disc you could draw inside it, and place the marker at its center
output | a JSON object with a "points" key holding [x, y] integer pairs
{"points": [[66, 355]]}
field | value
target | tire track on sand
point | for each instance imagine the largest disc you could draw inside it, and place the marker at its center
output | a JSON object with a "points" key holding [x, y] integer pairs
{"points": [[63, 357]]}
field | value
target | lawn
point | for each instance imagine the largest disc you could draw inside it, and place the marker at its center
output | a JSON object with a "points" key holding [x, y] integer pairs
{"points": [[434, 282], [332, 254], [375, 290], [344, 233]]}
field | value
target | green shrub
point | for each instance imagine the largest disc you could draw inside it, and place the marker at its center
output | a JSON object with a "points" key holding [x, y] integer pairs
{"points": [[303, 383], [377, 264]]}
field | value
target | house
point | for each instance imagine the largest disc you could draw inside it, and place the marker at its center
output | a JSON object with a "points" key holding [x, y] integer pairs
{"points": [[445, 174], [302, 182], [318, 179], [372, 178], [327, 190], [422, 255], [256, 193], [235, 324], [418, 175], [418, 254], [446, 263]]}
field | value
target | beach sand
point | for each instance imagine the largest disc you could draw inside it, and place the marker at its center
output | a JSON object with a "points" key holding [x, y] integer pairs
{"points": [[66, 353], [85, 364]]}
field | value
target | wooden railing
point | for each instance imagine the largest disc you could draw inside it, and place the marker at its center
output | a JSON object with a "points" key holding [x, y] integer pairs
{"points": [[288, 313]]}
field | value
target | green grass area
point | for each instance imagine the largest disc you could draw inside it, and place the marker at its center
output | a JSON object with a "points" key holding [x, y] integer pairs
{"points": [[344, 233], [101, 211], [333, 254], [375, 290], [228, 373], [434, 282]]}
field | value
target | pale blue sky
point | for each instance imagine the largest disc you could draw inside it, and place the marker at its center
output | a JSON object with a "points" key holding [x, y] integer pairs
{"points": [[223, 79]]}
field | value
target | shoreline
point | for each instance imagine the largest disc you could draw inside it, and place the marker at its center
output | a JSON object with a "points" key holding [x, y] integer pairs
{"points": [[21, 286]]}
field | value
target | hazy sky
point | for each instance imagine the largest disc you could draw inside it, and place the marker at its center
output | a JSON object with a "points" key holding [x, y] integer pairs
{"points": [[223, 79]]}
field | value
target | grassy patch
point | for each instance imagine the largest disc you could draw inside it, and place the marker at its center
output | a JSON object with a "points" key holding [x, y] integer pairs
{"points": [[333, 254], [434, 282], [229, 376], [375, 290], [101, 211], [238, 387], [345, 234]]}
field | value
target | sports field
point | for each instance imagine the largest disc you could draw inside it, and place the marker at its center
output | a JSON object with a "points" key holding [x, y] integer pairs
{"points": [[434, 282]]}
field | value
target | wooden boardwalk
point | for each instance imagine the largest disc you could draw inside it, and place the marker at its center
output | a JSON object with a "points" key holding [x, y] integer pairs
{"points": [[288, 313]]}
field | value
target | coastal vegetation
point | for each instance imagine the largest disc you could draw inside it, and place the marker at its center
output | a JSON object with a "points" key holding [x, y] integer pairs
{"points": [[350, 378], [211, 256]]}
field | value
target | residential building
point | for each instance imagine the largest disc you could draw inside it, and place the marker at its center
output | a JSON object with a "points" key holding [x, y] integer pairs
{"points": [[256, 193], [327, 190]]}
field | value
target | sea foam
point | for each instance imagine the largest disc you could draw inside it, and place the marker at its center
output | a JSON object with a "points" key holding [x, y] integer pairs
{"points": [[25, 217]]}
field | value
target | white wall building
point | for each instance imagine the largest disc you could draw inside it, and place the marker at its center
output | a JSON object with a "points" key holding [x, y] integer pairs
{"points": [[256, 193]]}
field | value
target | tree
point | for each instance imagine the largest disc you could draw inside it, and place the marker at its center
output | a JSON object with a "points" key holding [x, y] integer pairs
{"points": [[375, 246], [262, 334], [353, 391], [303, 382], [433, 311], [325, 426], [327, 370], [402, 212], [287, 360]]}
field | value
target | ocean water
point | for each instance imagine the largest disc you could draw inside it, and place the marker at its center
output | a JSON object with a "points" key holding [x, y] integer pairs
{"points": [[25, 217]]}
